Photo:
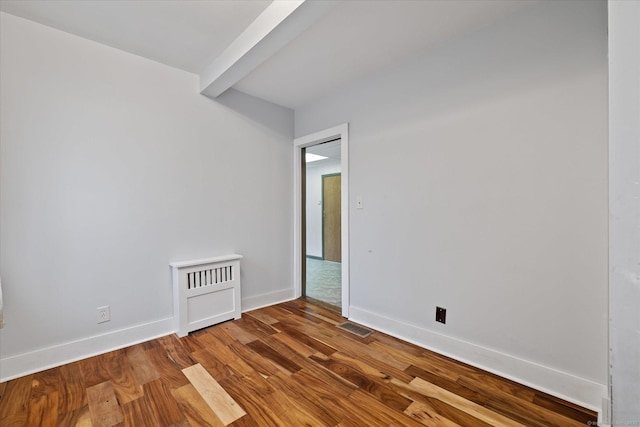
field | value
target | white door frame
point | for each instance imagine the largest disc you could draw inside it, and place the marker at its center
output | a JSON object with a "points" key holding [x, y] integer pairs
{"points": [[342, 132]]}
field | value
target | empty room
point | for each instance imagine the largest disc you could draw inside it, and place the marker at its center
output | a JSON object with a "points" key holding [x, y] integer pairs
{"points": [[322, 213]]}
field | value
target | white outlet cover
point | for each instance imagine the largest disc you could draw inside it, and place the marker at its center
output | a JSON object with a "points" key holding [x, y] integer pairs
{"points": [[104, 314]]}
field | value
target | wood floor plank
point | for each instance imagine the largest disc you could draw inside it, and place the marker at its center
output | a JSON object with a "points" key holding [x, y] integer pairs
{"points": [[383, 393], [373, 368], [45, 382], [93, 371], [197, 411], [43, 410], [265, 351], [170, 372], [176, 350], [103, 405], [479, 412], [565, 408], [259, 363], [325, 416], [137, 413], [80, 417], [263, 317], [142, 368], [15, 402], [449, 411], [238, 333], [222, 404], [72, 393], [428, 416], [124, 384], [254, 403], [300, 348], [519, 409], [162, 404], [212, 364]]}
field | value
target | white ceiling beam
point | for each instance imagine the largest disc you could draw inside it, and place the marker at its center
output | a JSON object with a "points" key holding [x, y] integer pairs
{"points": [[280, 23]]}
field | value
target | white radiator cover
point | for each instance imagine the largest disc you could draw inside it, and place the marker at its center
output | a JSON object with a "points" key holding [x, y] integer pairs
{"points": [[205, 292]]}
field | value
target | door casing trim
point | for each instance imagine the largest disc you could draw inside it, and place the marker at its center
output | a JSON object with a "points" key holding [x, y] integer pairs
{"points": [[341, 131]]}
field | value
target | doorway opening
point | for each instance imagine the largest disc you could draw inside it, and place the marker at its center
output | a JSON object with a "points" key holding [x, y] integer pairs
{"points": [[321, 243], [322, 281]]}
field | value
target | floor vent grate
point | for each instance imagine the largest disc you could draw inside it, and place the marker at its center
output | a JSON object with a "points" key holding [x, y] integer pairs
{"points": [[358, 330]]}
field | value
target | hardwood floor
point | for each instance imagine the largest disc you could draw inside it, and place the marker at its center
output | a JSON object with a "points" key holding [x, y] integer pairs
{"points": [[285, 365]]}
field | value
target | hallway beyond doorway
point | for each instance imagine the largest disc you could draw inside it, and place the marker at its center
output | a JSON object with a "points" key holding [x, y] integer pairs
{"points": [[324, 280]]}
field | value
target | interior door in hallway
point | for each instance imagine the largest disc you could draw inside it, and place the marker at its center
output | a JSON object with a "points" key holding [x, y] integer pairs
{"points": [[331, 226]]}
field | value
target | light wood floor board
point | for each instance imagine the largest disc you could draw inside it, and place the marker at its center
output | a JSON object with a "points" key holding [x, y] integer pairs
{"points": [[216, 397], [284, 365]]}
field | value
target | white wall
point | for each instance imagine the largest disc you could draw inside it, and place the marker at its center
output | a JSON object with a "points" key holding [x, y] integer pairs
{"points": [[315, 170], [112, 166], [493, 203], [624, 160]]}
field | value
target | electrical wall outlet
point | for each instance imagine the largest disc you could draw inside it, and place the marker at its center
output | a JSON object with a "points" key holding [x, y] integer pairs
{"points": [[441, 315], [104, 315]]}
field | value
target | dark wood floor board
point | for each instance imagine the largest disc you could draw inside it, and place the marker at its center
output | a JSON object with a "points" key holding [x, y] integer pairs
{"points": [[323, 382], [219, 332], [382, 393], [72, 393], [301, 348], [45, 382], [93, 370], [137, 413], [285, 365], [43, 410], [289, 387], [122, 378], [255, 406], [286, 351], [296, 307], [302, 416], [15, 402], [318, 343], [213, 365], [260, 364], [319, 331], [170, 372], [565, 408], [162, 405], [176, 350], [264, 350], [519, 409]]}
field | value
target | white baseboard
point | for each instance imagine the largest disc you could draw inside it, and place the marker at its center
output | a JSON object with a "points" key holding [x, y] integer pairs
{"points": [[38, 360], [264, 300], [571, 388], [35, 361]]}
